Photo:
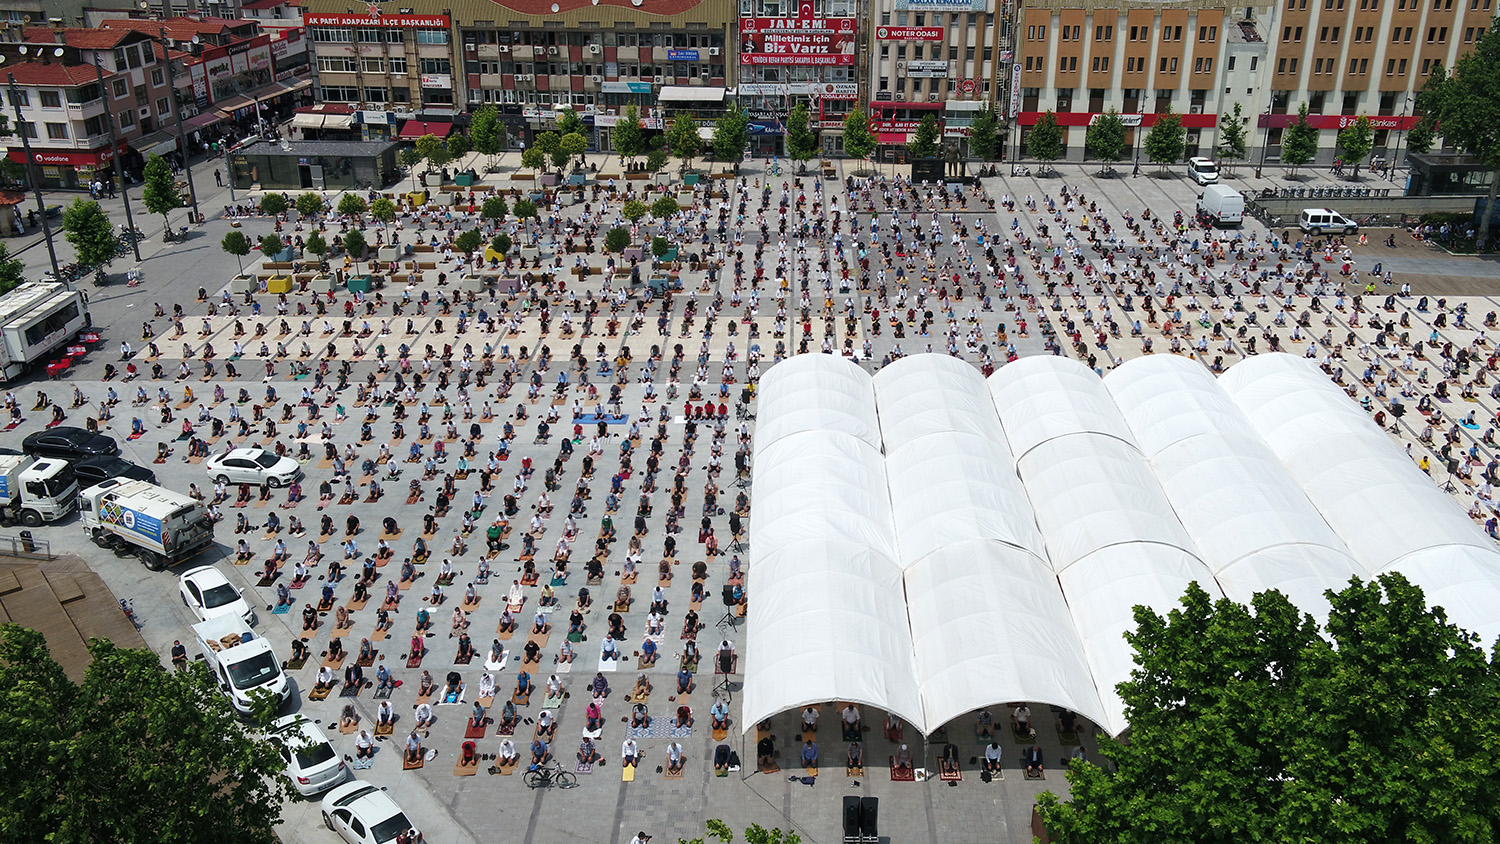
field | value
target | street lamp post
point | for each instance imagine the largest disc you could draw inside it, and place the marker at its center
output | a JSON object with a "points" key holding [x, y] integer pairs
{"points": [[36, 181], [1265, 143], [114, 149], [187, 164], [1390, 167]]}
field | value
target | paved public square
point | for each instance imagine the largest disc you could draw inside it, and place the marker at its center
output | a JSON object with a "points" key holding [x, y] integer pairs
{"points": [[1069, 264]]}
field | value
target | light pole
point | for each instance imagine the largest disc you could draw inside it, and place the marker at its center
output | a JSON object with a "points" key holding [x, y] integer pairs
{"points": [[1390, 167], [36, 181], [1265, 144], [182, 143], [114, 149]]}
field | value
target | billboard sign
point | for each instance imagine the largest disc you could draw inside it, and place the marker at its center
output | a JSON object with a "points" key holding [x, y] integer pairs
{"points": [[942, 5], [804, 40], [682, 55], [908, 33], [393, 21], [926, 70]]}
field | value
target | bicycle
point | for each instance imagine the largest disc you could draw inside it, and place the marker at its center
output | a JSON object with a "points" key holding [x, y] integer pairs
{"points": [[545, 776]]}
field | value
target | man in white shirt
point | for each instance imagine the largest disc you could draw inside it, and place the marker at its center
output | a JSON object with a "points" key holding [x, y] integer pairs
{"points": [[1021, 719], [630, 754], [992, 753]]}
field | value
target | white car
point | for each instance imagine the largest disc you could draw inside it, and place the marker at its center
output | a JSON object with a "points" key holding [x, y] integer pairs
{"points": [[253, 466], [1203, 170], [311, 763], [364, 814], [209, 594]]}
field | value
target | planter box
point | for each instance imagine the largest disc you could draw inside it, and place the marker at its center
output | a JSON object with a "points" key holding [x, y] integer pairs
{"points": [[389, 253], [670, 256], [464, 179], [690, 179], [472, 284], [242, 284], [416, 198], [549, 180], [279, 284], [433, 180], [360, 284], [324, 283], [578, 179], [631, 254], [509, 284], [567, 198], [685, 199]]}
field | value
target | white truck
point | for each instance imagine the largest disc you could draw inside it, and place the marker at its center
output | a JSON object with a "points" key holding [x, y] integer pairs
{"points": [[37, 319], [241, 661], [162, 527], [1221, 205], [35, 490]]}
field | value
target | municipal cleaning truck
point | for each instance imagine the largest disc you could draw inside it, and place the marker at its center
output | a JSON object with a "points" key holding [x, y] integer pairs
{"points": [[161, 527], [241, 661], [35, 490]]}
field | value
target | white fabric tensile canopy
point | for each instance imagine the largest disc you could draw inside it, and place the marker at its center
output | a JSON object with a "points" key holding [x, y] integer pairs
{"points": [[929, 543]]}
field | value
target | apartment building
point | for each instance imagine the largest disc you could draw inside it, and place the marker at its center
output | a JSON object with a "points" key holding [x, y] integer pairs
{"points": [[945, 57], [433, 61], [809, 51]]}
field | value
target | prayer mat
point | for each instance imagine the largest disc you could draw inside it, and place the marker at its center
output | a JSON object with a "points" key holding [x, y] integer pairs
{"points": [[469, 770], [583, 768], [660, 728], [497, 666], [458, 699], [668, 773], [281, 609], [408, 764], [473, 732], [770, 768], [901, 774], [627, 773]]}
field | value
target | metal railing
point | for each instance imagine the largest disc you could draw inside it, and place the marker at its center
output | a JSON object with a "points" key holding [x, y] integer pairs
{"points": [[26, 549]]}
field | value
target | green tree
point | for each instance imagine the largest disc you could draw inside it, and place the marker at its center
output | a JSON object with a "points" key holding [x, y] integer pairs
{"points": [[427, 147], [154, 755], [1299, 142], [469, 241], [459, 146], [533, 158], [568, 122], [665, 207], [1248, 723], [617, 240], [801, 141], [1232, 135], [410, 158], [1105, 137], [660, 247], [683, 139], [159, 190], [310, 204], [273, 204], [501, 243], [271, 245], [383, 210], [525, 211], [355, 246], [12, 273], [1355, 141], [926, 141], [494, 208], [439, 156], [1466, 104], [315, 245], [571, 146], [984, 134], [858, 142], [656, 159], [1167, 140], [548, 142], [717, 830], [1421, 137], [236, 244], [353, 205], [487, 133], [1044, 141], [89, 230], [731, 134], [633, 210], [628, 136]]}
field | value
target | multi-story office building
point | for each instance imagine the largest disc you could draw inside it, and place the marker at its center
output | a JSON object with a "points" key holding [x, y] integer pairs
{"points": [[943, 57], [809, 51], [433, 61]]}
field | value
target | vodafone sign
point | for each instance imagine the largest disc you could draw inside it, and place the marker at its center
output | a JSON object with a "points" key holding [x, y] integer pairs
{"points": [[908, 33]]}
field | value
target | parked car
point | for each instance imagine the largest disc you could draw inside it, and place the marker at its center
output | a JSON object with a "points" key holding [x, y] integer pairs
{"points": [[1315, 221], [311, 762], [1203, 170], [69, 443], [362, 813], [96, 470], [253, 466], [209, 594]]}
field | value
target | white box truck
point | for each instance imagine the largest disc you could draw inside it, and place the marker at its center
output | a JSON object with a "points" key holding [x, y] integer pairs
{"points": [[37, 319], [35, 490], [241, 661], [162, 527], [1221, 205]]}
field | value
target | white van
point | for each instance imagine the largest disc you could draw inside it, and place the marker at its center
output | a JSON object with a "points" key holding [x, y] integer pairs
{"points": [[1203, 170], [1221, 205], [1320, 220]]}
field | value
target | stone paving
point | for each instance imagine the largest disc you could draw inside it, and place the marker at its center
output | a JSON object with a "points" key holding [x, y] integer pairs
{"points": [[1024, 317]]}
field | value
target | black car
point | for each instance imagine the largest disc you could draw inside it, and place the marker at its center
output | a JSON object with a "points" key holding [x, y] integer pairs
{"points": [[70, 444], [98, 469]]}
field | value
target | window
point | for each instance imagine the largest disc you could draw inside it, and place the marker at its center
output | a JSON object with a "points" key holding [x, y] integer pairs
{"points": [[1075, 34], [1104, 33], [969, 53], [332, 36], [335, 64], [375, 95], [1390, 67], [1135, 33], [432, 36], [57, 131], [396, 64], [1254, 60], [1281, 66], [121, 88], [140, 95], [341, 93], [12, 96], [1208, 33], [372, 64], [1401, 67], [158, 78], [51, 99], [127, 118], [1062, 34], [94, 126], [443, 66], [163, 106]]}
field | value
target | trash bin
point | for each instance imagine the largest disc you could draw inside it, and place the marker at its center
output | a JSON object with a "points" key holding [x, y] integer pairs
{"points": [[27, 543]]}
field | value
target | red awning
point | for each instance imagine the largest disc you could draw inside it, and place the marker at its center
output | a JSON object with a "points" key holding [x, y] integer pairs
{"points": [[891, 137], [418, 128]]}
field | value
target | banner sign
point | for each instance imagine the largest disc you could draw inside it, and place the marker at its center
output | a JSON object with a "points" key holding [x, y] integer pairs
{"points": [[827, 90], [942, 5], [908, 33], [803, 40], [394, 21], [926, 70], [682, 55], [1339, 121]]}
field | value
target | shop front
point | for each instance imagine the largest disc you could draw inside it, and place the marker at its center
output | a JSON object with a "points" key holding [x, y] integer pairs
{"points": [[313, 165], [68, 169]]}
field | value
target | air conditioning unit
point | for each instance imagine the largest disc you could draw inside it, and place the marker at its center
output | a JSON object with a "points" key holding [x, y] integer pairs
{"points": [[660, 79], [551, 51], [595, 49], [503, 48], [596, 79], [611, 111], [1197, 109], [932, 98], [900, 67], [524, 77], [900, 98], [713, 51], [470, 47]]}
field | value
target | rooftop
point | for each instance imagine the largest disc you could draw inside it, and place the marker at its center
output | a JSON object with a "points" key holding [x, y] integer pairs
{"points": [[54, 73], [361, 149], [179, 28], [83, 39]]}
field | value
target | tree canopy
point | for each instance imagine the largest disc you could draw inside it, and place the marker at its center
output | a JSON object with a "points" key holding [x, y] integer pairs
{"points": [[486, 132], [1232, 134], [533, 158], [159, 189], [12, 271], [355, 245], [1105, 137], [801, 141], [717, 830], [469, 241], [1355, 142], [1167, 140], [383, 210], [1250, 723], [568, 122], [1466, 104], [1299, 141], [925, 141], [237, 244], [616, 240], [665, 207], [87, 227], [858, 141], [310, 204], [271, 245], [628, 136], [1044, 141], [731, 134], [683, 140], [984, 134], [273, 204], [315, 244], [352, 205], [132, 753], [494, 208]]}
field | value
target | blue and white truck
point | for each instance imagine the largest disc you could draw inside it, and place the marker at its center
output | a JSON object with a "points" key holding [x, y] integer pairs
{"points": [[35, 490], [159, 526]]}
